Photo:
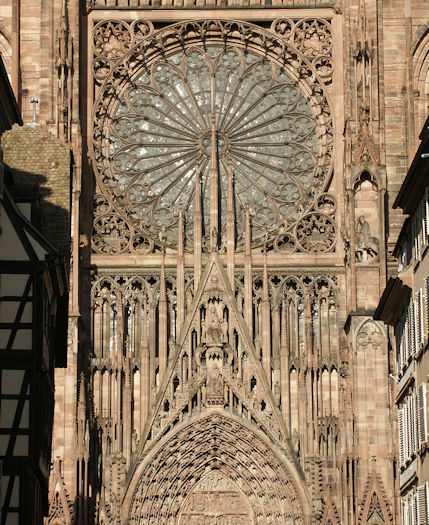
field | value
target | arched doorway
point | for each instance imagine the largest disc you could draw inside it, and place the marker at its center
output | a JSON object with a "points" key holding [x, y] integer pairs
{"points": [[216, 469]]}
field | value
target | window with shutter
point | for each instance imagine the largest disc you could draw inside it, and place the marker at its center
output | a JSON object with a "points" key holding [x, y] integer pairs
{"points": [[427, 500], [399, 346], [422, 510], [406, 439], [426, 213], [416, 508], [413, 510], [418, 318], [427, 302], [422, 317], [410, 330], [422, 414], [407, 333], [410, 425], [423, 222], [416, 231], [413, 425], [404, 338], [404, 511], [401, 432]]}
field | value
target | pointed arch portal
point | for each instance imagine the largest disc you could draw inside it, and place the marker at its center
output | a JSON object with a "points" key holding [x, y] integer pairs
{"points": [[216, 469]]}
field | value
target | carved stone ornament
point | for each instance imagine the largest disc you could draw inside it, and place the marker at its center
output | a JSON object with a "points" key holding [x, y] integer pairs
{"points": [[316, 233], [113, 235], [160, 92], [369, 336], [235, 470]]}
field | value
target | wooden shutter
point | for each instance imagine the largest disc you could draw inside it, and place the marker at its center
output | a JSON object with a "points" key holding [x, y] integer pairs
{"points": [[407, 430], [398, 338], [416, 228], [404, 512], [401, 436], [416, 508], [414, 424], [418, 321], [413, 510], [427, 501], [423, 219], [422, 510], [427, 304], [422, 317], [426, 214], [410, 330], [411, 425], [422, 414]]}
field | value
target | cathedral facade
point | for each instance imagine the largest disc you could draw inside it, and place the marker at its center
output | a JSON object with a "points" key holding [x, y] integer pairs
{"points": [[234, 168]]}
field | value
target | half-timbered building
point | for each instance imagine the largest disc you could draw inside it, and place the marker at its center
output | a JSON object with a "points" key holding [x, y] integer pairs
{"points": [[33, 324]]}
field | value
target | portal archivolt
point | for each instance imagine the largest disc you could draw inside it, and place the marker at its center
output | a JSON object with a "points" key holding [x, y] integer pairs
{"points": [[216, 455]]}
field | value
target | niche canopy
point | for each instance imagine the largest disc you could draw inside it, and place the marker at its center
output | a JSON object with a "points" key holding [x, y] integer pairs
{"points": [[254, 111]]}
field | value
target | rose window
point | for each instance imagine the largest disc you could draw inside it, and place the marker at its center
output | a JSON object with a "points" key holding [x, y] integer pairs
{"points": [[265, 131]]}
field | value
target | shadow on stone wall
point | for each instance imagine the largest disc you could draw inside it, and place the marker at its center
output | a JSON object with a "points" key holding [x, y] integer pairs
{"points": [[40, 169], [51, 220]]}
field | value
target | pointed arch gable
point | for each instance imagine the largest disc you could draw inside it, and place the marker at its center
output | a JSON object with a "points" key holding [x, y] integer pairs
{"points": [[330, 515], [272, 484], [270, 419], [374, 500], [60, 507]]}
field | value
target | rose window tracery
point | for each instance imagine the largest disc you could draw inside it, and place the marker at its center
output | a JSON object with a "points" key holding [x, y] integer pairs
{"points": [[267, 129]]}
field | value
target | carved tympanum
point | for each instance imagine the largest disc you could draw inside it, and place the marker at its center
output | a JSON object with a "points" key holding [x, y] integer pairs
{"points": [[215, 455]]}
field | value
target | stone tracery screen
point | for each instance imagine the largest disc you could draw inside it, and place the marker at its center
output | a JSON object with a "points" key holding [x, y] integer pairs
{"points": [[159, 96]]}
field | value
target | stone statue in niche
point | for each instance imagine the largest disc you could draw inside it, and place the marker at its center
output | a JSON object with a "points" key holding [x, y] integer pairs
{"points": [[277, 394], [214, 355], [367, 247], [214, 333]]}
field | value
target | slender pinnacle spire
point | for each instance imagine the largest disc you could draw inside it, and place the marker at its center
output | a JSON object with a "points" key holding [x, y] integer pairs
{"points": [[180, 232], [162, 291], [265, 278], [214, 190], [283, 330], [162, 313], [266, 322], [230, 224], [248, 289], [197, 189], [230, 203], [197, 229], [180, 270], [145, 317], [247, 230]]}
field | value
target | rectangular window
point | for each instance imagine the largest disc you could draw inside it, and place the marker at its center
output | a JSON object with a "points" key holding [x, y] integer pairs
{"points": [[412, 424]]}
